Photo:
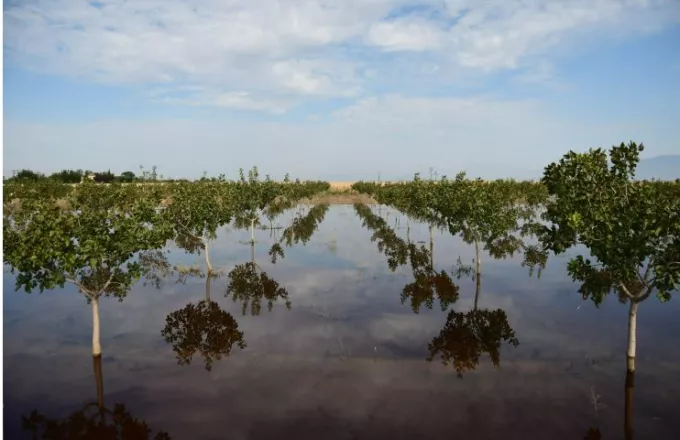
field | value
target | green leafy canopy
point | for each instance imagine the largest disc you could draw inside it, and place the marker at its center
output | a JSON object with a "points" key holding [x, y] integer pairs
{"points": [[91, 243], [631, 228]]}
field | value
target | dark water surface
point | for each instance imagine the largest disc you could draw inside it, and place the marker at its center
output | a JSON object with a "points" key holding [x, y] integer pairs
{"points": [[348, 360]]}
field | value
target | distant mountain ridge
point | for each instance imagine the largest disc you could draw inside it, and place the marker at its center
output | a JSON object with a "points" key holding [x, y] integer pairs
{"points": [[665, 167]]}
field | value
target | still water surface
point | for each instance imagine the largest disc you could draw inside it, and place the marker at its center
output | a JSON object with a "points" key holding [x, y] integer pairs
{"points": [[348, 360]]}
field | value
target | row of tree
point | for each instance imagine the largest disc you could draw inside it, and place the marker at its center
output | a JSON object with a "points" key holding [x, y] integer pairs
{"points": [[630, 228], [92, 235], [72, 176], [202, 329], [466, 335]]}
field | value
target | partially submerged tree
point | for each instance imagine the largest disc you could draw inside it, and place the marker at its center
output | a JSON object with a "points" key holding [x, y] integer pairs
{"points": [[91, 245], [631, 230], [197, 210], [252, 196]]}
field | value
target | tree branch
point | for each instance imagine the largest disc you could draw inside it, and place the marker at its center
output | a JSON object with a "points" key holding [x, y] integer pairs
{"points": [[626, 291], [646, 295], [81, 288]]}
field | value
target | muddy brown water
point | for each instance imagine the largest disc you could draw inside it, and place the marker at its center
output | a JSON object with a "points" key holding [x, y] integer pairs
{"points": [[348, 360]]}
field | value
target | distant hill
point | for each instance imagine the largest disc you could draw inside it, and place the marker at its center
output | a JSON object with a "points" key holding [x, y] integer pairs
{"points": [[660, 167]]}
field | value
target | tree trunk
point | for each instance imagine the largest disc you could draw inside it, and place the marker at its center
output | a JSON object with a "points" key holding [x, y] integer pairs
{"points": [[252, 252], [431, 248], [99, 380], [207, 259], [478, 288], [632, 327], [96, 346], [478, 274], [252, 230], [628, 416], [207, 288]]}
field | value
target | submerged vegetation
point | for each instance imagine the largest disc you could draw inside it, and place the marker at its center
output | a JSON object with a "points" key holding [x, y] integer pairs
{"points": [[104, 238]]}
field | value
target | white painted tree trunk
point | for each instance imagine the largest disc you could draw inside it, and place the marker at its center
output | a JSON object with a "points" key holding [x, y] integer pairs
{"points": [[478, 288], [252, 230], [207, 259], [431, 247], [478, 273], [632, 331], [96, 346]]}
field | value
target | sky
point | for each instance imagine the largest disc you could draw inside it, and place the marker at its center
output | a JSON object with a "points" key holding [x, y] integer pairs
{"points": [[336, 90]]}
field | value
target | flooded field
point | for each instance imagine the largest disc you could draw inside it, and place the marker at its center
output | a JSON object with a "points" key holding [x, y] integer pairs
{"points": [[350, 358]]}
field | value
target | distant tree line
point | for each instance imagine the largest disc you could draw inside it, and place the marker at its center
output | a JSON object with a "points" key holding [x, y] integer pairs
{"points": [[78, 176]]}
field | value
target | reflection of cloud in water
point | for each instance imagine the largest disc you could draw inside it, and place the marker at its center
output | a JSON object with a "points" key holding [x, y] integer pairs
{"points": [[318, 363], [366, 396]]}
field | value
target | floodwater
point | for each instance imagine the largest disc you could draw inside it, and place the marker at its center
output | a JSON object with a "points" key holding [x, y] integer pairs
{"points": [[348, 359]]}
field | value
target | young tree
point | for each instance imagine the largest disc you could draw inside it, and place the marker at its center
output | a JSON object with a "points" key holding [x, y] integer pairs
{"points": [[197, 210], [252, 196], [631, 229], [90, 245]]}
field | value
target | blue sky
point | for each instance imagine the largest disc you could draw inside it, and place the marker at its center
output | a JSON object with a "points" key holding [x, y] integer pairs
{"points": [[336, 90]]}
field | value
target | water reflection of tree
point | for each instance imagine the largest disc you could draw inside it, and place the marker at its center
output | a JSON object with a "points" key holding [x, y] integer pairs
{"points": [[628, 412], [202, 328], [93, 421], [250, 285], [467, 335], [303, 227], [428, 283]]}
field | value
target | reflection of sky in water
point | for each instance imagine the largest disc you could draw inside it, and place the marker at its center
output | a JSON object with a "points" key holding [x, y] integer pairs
{"points": [[348, 359]]}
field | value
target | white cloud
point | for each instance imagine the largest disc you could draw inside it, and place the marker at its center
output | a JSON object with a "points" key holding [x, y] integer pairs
{"points": [[406, 35], [317, 78], [286, 49], [235, 100]]}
